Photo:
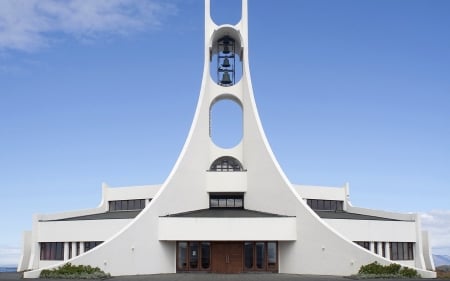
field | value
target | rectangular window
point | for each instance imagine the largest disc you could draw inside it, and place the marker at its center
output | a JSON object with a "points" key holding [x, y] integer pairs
{"points": [[272, 255], [126, 205], [91, 245], [214, 203], [325, 205], [182, 256], [364, 244], [52, 251], [261, 256], [375, 247], [226, 200], [401, 250], [193, 256]]}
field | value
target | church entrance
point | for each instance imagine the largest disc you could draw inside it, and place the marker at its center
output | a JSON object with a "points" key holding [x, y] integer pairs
{"points": [[227, 256]]}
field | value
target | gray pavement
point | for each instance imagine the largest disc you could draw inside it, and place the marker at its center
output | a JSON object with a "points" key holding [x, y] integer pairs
{"points": [[12, 276]]}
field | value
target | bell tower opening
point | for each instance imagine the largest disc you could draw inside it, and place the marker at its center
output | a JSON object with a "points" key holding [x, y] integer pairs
{"points": [[226, 57], [226, 12], [226, 122], [226, 74]]}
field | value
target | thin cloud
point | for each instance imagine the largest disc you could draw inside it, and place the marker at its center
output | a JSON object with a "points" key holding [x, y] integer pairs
{"points": [[29, 25], [437, 222]]}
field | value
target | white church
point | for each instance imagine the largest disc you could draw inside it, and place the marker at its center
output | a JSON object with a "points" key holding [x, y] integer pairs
{"points": [[226, 210]]}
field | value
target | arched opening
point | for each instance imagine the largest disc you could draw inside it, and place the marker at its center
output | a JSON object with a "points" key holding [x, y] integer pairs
{"points": [[226, 57], [226, 122], [226, 164], [226, 12]]}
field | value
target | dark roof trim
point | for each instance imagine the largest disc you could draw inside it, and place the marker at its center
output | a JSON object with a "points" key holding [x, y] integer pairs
{"points": [[103, 216], [350, 216], [225, 213]]}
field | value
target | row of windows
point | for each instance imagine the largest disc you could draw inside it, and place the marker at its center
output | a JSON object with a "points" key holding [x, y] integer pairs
{"points": [[260, 256], [326, 205], [55, 250], [226, 201], [52, 251], [126, 205], [401, 251], [398, 250], [256, 256], [194, 256]]}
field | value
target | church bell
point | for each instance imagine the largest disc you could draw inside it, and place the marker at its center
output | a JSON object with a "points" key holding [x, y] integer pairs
{"points": [[226, 63], [226, 78]]}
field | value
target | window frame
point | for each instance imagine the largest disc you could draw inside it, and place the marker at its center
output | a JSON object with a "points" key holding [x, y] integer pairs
{"points": [[226, 200]]}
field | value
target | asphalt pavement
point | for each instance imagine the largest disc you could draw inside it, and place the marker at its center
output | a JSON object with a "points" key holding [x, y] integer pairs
{"points": [[12, 276]]}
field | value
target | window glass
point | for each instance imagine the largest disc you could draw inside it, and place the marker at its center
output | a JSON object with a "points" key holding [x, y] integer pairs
{"points": [[333, 205], [405, 251], [193, 255], [260, 255], [182, 255], [214, 203], [226, 201], [222, 202], [325, 205], [206, 254], [393, 248], [271, 254], [124, 205], [248, 255], [131, 204], [52, 251], [226, 164], [410, 251]]}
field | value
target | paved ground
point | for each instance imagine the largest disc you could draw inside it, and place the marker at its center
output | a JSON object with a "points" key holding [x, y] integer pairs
{"points": [[8, 276]]}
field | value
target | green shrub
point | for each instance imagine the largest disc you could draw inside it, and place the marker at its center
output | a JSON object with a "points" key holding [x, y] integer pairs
{"points": [[374, 270], [69, 271], [408, 272]]}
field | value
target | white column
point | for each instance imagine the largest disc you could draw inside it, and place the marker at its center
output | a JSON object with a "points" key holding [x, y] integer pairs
{"points": [[66, 251], [380, 248], [388, 251], [74, 249], [81, 247], [372, 247]]}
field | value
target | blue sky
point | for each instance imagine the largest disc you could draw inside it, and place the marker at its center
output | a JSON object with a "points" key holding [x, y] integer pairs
{"points": [[105, 91]]}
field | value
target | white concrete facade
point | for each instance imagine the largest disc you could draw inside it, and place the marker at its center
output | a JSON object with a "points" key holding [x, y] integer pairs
{"points": [[146, 243]]}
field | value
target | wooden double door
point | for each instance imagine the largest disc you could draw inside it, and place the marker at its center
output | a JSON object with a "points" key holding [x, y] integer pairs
{"points": [[227, 257]]}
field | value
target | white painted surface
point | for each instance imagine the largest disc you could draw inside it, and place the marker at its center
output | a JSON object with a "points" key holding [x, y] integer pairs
{"points": [[226, 181], [227, 229], [374, 230], [130, 192], [26, 251], [321, 192], [86, 230]]}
